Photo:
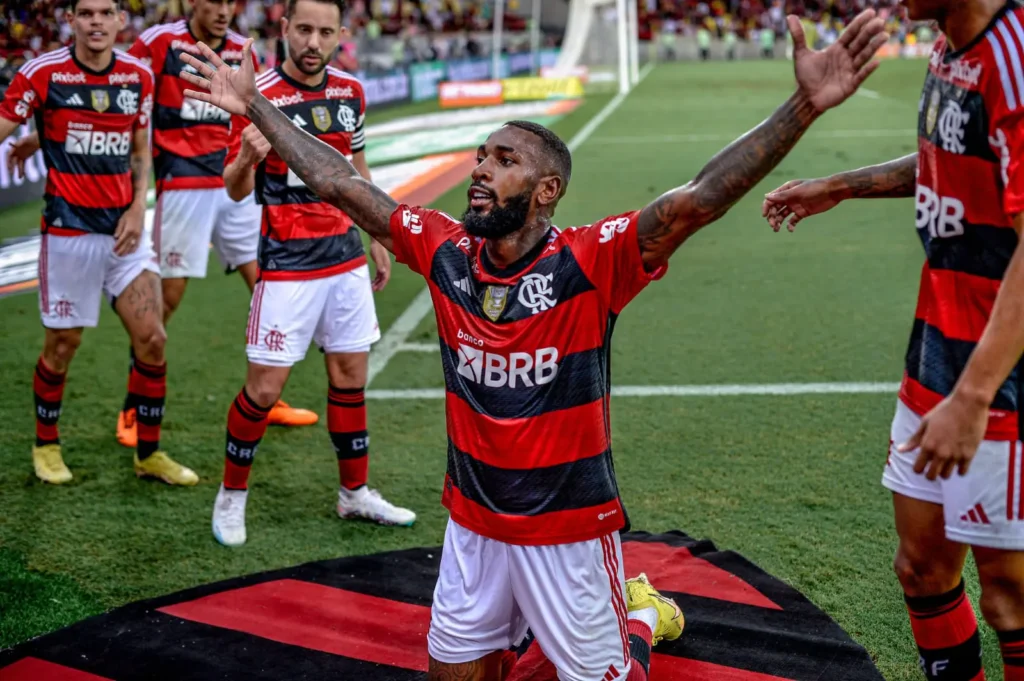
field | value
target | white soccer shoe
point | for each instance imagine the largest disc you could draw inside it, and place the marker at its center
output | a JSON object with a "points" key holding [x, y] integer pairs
{"points": [[369, 504], [229, 516]]}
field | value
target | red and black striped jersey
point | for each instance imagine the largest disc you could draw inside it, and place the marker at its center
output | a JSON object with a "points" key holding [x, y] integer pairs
{"points": [[970, 187], [86, 121], [303, 237], [527, 375], [190, 137]]}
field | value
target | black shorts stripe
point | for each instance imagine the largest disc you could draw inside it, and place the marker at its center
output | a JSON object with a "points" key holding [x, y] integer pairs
{"points": [[569, 486]]}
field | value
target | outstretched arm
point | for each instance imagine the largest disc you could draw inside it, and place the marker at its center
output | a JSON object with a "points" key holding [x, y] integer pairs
{"points": [[799, 199], [321, 167], [825, 80], [326, 171]]}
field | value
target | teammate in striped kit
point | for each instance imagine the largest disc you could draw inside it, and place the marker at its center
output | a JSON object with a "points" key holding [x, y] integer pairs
{"points": [[955, 459], [525, 313], [92, 104], [314, 281], [193, 209]]}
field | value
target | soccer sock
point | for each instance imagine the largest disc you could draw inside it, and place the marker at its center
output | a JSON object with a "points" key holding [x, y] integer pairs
{"points": [[247, 422], [346, 422], [147, 389], [533, 665], [946, 632], [1011, 644], [128, 403], [49, 391], [641, 637]]}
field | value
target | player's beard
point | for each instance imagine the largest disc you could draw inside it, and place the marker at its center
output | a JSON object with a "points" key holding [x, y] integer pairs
{"points": [[315, 70], [501, 220]]}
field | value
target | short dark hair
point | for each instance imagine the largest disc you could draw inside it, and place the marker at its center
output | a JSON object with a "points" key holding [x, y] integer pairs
{"points": [[74, 5], [342, 5], [560, 156]]}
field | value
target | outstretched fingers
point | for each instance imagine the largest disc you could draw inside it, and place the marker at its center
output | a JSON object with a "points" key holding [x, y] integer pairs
{"points": [[211, 56], [853, 31], [863, 74], [864, 56], [200, 66]]}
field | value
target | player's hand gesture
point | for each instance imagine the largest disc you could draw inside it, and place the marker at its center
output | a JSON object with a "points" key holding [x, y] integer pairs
{"points": [[225, 87], [796, 200], [255, 146], [828, 77], [21, 151], [382, 261], [948, 437], [128, 234]]}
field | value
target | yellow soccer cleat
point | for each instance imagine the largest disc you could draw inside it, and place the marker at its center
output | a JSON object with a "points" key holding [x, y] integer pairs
{"points": [[50, 465], [640, 594], [162, 467], [281, 414]]}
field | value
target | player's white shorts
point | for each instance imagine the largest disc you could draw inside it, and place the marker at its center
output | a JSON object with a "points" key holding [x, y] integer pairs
{"points": [[75, 272], [984, 507], [188, 220], [571, 596], [336, 312]]}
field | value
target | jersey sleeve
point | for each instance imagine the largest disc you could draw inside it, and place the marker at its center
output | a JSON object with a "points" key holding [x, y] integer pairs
{"points": [[609, 253], [146, 108], [417, 233], [1006, 130], [359, 136], [21, 99], [140, 50]]}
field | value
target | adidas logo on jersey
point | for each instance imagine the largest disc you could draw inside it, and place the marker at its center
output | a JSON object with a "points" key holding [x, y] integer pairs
{"points": [[299, 121], [75, 100], [462, 285]]}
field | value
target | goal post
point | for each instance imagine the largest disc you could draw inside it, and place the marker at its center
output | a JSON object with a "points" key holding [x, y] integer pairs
{"points": [[602, 36]]}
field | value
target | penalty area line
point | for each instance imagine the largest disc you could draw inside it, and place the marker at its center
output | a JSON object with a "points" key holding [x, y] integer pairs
{"points": [[723, 390]]}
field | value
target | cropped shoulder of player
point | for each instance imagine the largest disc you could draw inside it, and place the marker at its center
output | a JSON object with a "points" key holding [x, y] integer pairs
{"points": [[92, 107], [955, 464], [525, 313]]}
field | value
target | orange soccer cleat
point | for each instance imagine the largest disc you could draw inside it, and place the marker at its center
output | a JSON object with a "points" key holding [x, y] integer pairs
{"points": [[127, 435], [283, 415]]}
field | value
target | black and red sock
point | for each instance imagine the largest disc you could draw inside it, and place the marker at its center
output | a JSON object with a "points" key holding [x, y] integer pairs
{"points": [[1011, 644], [247, 423], [640, 643], [946, 631], [147, 388], [346, 422], [48, 387], [128, 402]]}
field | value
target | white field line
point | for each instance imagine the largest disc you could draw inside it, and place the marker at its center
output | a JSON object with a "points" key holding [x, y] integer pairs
{"points": [[394, 338], [870, 94], [419, 347], [724, 390], [729, 137]]}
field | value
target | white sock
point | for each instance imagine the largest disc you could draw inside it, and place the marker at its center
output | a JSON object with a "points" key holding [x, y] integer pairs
{"points": [[352, 494], [648, 616]]}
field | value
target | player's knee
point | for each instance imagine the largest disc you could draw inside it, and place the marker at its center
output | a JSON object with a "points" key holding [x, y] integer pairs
{"points": [[62, 346], [149, 346], [264, 391], [922, 575], [1002, 602]]}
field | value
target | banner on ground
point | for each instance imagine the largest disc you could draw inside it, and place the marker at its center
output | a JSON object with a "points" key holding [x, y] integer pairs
{"points": [[493, 92]]}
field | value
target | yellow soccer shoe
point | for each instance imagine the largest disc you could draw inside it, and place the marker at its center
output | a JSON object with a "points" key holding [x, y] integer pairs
{"points": [[640, 594], [49, 465], [162, 467]]}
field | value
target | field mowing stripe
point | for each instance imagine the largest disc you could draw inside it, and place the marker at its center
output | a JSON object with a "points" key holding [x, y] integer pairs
{"points": [[419, 347], [394, 338], [729, 137], [724, 390]]}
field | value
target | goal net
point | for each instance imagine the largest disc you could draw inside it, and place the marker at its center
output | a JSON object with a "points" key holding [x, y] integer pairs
{"points": [[601, 36]]}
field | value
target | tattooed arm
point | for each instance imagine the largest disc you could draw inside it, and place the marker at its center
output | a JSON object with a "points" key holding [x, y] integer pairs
{"points": [[799, 199], [128, 233], [326, 171], [825, 80]]}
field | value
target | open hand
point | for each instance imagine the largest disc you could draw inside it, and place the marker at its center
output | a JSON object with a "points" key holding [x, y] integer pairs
{"points": [[382, 261], [828, 77], [796, 200], [948, 437], [225, 87]]}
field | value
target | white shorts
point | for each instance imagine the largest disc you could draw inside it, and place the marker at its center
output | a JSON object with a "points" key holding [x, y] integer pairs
{"points": [[74, 272], [188, 220], [984, 507], [336, 312], [571, 596]]}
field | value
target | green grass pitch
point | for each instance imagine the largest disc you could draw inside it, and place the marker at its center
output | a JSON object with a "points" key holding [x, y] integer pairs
{"points": [[790, 482]]}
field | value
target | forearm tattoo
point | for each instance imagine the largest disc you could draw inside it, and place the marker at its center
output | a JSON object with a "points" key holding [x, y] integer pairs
{"points": [[895, 179]]}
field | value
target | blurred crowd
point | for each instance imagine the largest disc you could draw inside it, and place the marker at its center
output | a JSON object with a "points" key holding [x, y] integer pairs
{"points": [[746, 19]]}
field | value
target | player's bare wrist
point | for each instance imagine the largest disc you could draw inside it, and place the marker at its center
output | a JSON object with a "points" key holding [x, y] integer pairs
{"points": [[839, 188], [253, 106], [972, 394], [803, 108]]}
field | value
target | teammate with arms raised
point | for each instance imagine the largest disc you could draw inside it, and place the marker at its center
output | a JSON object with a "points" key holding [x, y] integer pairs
{"points": [[525, 313], [314, 281], [190, 142], [955, 462], [92, 105]]}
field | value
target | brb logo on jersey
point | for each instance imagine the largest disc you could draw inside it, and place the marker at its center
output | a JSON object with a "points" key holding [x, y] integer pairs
{"points": [[194, 110], [97, 143], [535, 292], [516, 369], [941, 215]]}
